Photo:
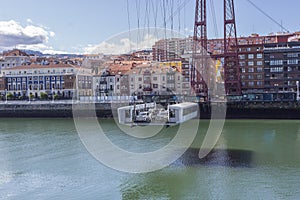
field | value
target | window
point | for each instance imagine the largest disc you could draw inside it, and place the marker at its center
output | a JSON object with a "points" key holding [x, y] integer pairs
{"points": [[250, 56], [251, 70], [242, 57], [155, 78], [276, 62], [242, 63], [276, 69], [259, 55], [259, 63], [292, 62], [243, 70], [259, 83], [23, 86], [259, 69], [250, 63], [140, 79], [259, 76], [251, 83]]}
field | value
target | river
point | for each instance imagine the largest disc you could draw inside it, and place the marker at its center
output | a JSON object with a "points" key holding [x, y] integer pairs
{"points": [[254, 159]]}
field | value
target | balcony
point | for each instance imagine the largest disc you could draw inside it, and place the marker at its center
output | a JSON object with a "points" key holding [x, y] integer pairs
{"points": [[103, 90], [147, 89], [103, 82]]}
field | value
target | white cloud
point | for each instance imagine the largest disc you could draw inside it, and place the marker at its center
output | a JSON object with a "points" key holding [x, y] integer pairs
{"points": [[121, 45], [45, 49], [138, 39], [13, 34], [51, 34], [29, 21]]}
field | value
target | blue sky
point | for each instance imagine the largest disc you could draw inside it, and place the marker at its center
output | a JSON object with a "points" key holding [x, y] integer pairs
{"points": [[77, 26]]}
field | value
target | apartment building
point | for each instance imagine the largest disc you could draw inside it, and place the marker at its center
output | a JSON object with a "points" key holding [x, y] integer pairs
{"points": [[282, 68], [63, 79], [13, 58], [172, 49], [251, 59], [103, 84]]}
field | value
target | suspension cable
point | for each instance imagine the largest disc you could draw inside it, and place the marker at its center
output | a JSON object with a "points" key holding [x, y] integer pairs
{"points": [[129, 25], [213, 13], [268, 16]]}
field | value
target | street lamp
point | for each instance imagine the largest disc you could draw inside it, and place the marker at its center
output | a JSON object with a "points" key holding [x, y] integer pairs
{"points": [[297, 83], [5, 95], [77, 88], [52, 95], [29, 94]]}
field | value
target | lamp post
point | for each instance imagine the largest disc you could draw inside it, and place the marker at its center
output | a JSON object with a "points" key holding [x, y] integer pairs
{"points": [[77, 88], [298, 98], [52, 95], [5, 95], [29, 94]]}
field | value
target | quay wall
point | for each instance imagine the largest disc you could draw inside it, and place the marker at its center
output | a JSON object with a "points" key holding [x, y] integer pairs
{"points": [[235, 110]]}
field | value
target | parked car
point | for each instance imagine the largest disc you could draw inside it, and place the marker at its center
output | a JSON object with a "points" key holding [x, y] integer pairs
{"points": [[143, 117]]}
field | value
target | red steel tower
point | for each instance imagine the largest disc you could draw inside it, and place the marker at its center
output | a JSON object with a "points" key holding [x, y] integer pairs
{"points": [[231, 59], [200, 71]]}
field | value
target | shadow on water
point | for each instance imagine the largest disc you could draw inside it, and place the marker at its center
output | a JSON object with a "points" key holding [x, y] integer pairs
{"points": [[217, 157]]}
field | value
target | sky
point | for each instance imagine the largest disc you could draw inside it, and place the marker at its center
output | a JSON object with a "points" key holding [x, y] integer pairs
{"points": [[95, 26]]}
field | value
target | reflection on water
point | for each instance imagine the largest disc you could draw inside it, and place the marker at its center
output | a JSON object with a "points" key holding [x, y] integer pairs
{"points": [[218, 157]]}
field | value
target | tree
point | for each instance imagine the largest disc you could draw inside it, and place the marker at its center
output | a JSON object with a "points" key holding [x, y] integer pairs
{"points": [[44, 96], [10, 96], [31, 96], [56, 96]]}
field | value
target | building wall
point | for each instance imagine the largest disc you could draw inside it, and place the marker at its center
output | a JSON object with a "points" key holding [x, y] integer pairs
{"points": [[2, 83], [56, 79], [252, 68], [103, 85], [282, 67]]}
